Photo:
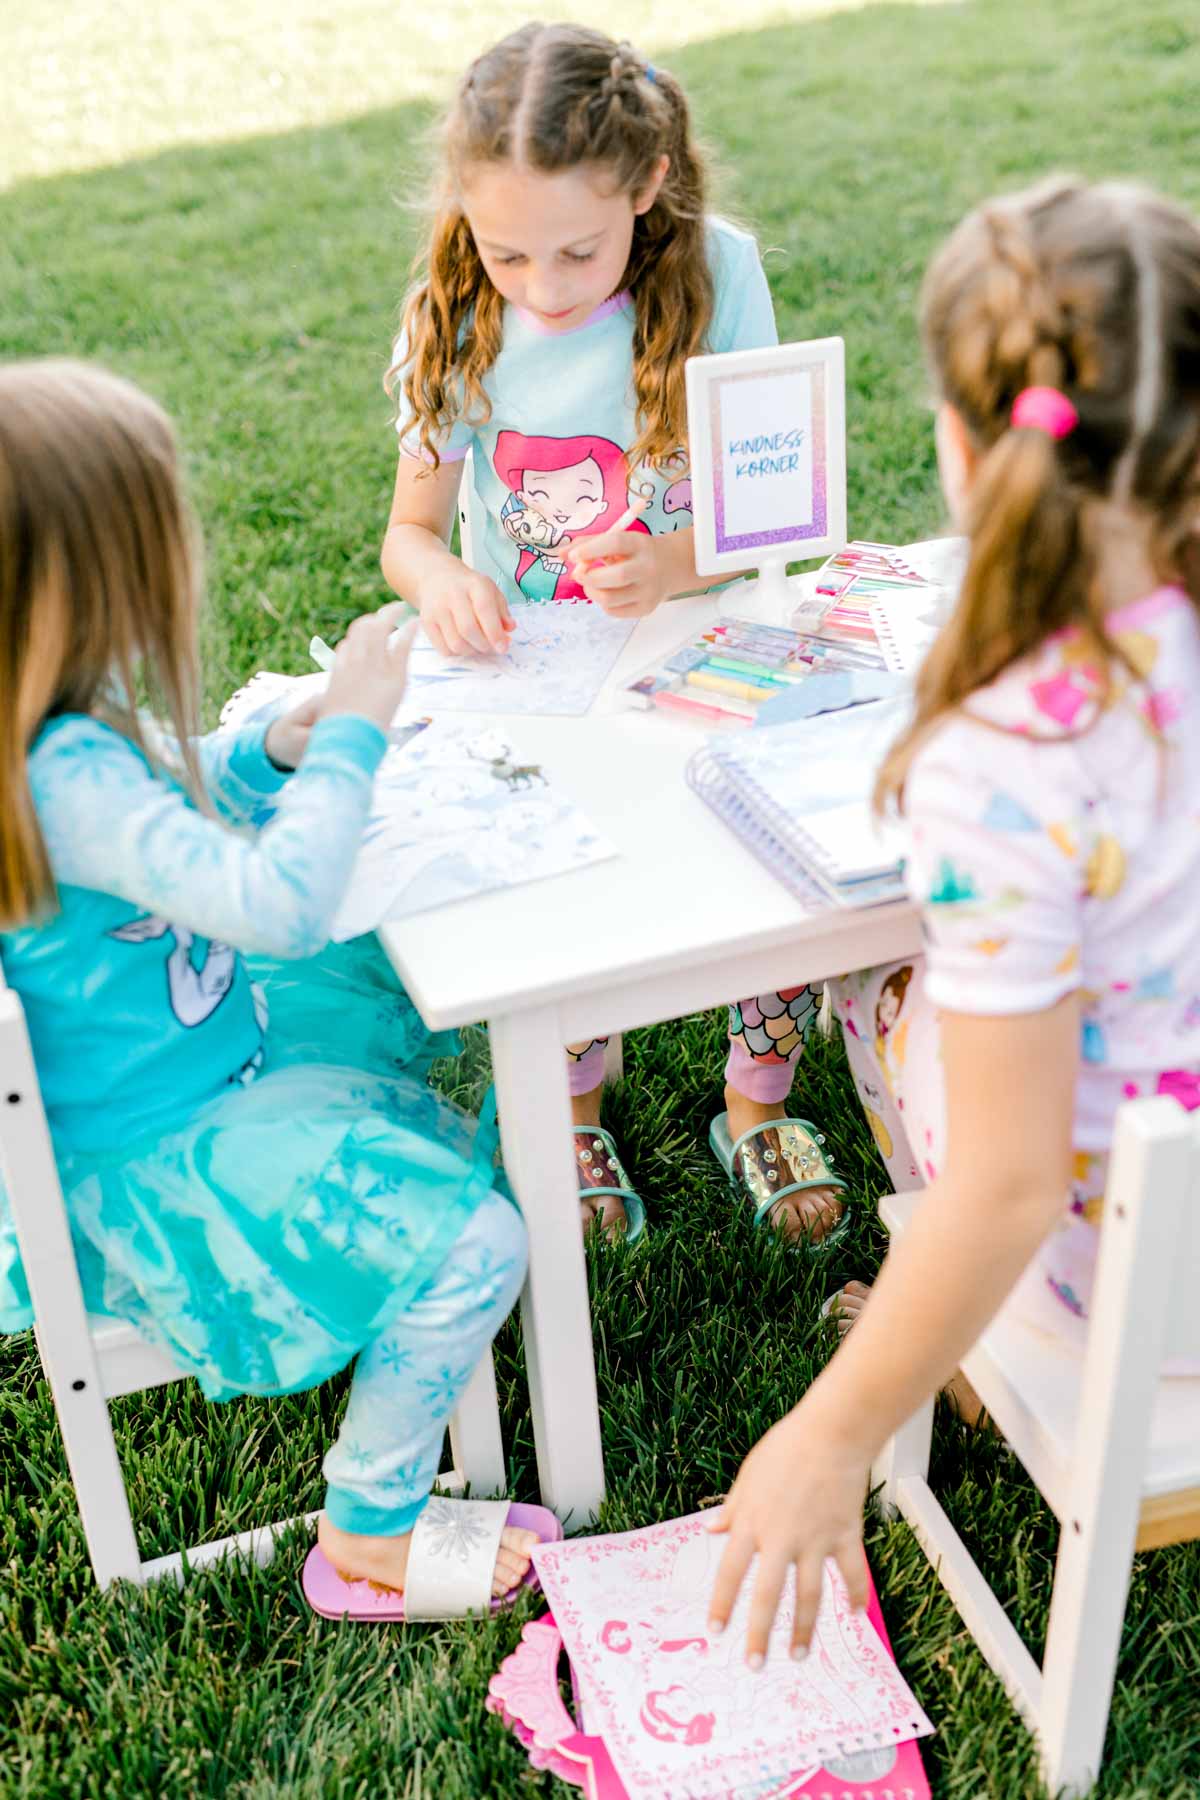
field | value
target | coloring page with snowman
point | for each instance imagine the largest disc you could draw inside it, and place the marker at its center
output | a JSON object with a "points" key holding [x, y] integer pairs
{"points": [[559, 659], [456, 812], [681, 1713]]}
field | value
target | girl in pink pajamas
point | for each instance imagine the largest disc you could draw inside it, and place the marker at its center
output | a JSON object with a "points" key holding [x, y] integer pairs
{"points": [[1049, 787]]}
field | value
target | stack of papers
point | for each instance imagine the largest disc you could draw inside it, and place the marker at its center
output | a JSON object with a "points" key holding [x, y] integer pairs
{"points": [[457, 811], [666, 1712]]}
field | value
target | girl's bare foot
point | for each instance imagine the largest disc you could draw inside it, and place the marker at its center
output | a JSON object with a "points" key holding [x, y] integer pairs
{"points": [[384, 1560], [810, 1214], [845, 1309], [605, 1214]]}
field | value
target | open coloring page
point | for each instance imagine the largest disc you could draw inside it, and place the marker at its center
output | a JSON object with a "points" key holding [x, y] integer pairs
{"points": [[682, 1715], [456, 812], [557, 662]]}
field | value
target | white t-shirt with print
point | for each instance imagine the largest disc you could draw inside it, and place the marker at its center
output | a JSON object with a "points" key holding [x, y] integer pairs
{"points": [[1062, 852]]}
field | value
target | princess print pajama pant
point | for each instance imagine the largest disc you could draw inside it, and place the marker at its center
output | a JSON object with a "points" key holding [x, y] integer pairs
{"points": [[894, 1047]]}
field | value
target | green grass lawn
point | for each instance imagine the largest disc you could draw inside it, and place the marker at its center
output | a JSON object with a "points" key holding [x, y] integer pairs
{"points": [[244, 257]]}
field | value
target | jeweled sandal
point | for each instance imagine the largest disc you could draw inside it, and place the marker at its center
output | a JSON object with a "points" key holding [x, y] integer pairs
{"points": [[602, 1177], [775, 1159]]}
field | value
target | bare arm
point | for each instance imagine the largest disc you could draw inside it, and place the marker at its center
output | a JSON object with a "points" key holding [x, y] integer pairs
{"points": [[416, 543], [1010, 1085], [459, 608]]}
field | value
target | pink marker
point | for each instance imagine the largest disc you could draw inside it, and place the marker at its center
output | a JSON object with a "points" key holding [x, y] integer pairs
{"points": [[583, 563]]}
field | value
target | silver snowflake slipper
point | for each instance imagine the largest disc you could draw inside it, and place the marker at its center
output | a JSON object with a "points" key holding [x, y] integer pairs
{"points": [[775, 1159], [450, 1564]]}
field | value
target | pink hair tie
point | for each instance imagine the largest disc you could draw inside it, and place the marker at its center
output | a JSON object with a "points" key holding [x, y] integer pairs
{"points": [[1044, 409]]}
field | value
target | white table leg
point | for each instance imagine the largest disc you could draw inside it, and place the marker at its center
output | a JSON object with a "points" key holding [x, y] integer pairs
{"points": [[614, 1058], [530, 1070]]}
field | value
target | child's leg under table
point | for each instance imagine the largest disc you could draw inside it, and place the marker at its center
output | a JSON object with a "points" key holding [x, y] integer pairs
{"points": [[894, 1051], [597, 1164], [767, 1034], [406, 1384], [585, 1071]]}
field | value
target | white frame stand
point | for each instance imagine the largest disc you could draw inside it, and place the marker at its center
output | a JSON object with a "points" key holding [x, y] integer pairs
{"points": [[706, 376]]}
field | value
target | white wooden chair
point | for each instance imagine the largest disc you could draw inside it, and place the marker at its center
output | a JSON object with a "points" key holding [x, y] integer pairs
{"points": [[1112, 1444], [89, 1361]]}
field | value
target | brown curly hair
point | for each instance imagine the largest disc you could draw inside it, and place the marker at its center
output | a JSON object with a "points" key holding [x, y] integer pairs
{"points": [[556, 97], [1093, 290]]}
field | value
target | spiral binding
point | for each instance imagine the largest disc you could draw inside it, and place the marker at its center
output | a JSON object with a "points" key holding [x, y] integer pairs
{"points": [[775, 837]]}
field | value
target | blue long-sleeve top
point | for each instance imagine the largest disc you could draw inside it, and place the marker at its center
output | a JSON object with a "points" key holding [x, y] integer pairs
{"points": [[136, 995]]}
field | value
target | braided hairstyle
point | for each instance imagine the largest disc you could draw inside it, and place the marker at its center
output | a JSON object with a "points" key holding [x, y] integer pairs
{"points": [[557, 97], [1095, 291]]}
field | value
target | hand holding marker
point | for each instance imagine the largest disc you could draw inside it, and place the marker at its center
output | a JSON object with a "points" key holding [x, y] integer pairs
{"points": [[582, 562], [369, 668], [325, 658]]}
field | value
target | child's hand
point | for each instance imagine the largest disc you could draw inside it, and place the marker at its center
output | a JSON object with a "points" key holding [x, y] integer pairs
{"points": [[287, 736], [370, 667], [798, 1498], [462, 610], [620, 571]]}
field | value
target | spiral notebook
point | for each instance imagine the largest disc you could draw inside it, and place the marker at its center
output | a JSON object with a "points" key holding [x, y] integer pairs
{"points": [[799, 796]]}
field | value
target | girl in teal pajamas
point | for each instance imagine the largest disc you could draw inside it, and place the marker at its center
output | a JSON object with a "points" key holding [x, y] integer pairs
{"points": [[256, 1174]]}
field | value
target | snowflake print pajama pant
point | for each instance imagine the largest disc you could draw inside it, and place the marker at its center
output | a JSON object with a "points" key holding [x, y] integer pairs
{"points": [[766, 1035], [408, 1380]]}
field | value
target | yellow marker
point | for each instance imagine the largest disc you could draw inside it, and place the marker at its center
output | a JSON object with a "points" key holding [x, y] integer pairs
{"points": [[726, 684]]}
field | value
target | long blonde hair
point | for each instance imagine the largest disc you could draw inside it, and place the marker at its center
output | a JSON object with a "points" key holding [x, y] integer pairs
{"points": [[1095, 291], [97, 585], [557, 97]]}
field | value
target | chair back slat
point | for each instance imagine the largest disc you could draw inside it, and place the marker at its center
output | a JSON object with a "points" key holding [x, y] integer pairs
{"points": [[1183, 1321]]}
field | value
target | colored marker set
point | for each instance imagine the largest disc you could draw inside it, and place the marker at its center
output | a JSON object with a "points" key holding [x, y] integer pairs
{"points": [[864, 566], [852, 591], [724, 676]]}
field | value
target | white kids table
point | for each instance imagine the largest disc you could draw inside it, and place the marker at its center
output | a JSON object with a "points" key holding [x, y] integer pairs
{"points": [[683, 919]]}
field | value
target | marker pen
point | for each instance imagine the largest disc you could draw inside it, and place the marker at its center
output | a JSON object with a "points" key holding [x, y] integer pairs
{"points": [[715, 715]]}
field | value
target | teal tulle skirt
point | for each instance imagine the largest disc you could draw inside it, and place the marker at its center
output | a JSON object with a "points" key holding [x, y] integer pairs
{"points": [[266, 1238]]}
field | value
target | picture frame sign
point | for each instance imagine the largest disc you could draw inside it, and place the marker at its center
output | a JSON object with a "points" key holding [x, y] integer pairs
{"points": [[767, 434]]}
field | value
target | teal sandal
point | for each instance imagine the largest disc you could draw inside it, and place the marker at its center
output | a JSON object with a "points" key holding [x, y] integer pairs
{"points": [[602, 1177], [760, 1162]]}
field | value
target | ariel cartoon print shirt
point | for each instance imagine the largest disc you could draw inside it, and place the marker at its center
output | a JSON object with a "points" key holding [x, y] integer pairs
{"points": [[1062, 852], [549, 464]]}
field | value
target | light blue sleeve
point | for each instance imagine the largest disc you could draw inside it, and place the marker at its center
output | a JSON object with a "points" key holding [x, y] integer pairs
{"points": [[743, 314], [113, 825], [239, 777], [454, 445]]}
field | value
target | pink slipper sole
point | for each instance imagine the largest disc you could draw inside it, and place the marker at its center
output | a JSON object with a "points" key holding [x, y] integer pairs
{"points": [[328, 1594]]}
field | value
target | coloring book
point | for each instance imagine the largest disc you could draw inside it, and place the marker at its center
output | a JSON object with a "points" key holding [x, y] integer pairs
{"points": [[456, 812], [559, 659], [666, 1712]]}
